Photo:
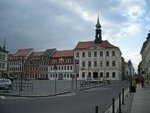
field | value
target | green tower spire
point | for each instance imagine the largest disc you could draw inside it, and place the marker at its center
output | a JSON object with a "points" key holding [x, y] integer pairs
{"points": [[98, 23], [98, 37]]}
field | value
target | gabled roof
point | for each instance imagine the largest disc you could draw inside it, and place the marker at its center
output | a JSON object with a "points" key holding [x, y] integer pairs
{"points": [[36, 54], [88, 44], [49, 52], [63, 53], [23, 52]]}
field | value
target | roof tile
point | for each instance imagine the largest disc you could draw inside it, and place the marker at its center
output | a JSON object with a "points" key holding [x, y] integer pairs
{"points": [[63, 53], [23, 52], [88, 44]]}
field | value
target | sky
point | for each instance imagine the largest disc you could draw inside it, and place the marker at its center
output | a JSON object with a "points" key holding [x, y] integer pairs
{"points": [[61, 24]]}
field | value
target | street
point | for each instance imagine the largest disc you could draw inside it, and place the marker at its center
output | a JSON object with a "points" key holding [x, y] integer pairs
{"points": [[75, 102]]}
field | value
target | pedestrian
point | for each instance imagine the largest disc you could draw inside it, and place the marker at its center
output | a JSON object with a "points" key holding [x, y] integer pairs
{"points": [[142, 81]]}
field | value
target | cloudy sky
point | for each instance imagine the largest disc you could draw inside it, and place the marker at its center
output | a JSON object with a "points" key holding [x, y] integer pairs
{"points": [[43, 24]]}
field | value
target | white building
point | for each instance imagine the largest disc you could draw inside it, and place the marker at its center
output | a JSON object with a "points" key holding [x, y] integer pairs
{"points": [[98, 59], [3, 60], [61, 65]]}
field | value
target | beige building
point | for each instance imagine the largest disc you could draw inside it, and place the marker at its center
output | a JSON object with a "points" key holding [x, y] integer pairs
{"points": [[145, 52], [17, 62], [98, 59]]}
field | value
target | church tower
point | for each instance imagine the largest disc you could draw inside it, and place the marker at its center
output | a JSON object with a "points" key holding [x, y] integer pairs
{"points": [[98, 32]]}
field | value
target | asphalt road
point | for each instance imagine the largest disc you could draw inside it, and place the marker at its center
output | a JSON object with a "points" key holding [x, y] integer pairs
{"points": [[77, 102]]}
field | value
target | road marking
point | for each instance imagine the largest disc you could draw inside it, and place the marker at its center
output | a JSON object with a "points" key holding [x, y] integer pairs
{"points": [[3, 97]]}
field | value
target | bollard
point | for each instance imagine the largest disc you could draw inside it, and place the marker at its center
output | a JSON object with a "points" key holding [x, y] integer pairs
{"points": [[113, 105], [123, 96], [119, 102], [96, 109]]}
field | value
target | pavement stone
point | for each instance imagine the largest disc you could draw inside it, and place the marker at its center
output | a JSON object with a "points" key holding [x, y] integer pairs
{"points": [[141, 100], [126, 108]]}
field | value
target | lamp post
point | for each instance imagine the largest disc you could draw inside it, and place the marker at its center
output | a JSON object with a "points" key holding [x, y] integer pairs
{"points": [[129, 63], [20, 80], [55, 68]]}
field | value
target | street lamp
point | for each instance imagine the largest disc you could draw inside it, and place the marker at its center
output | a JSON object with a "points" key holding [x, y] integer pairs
{"points": [[20, 81], [55, 68], [129, 64]]}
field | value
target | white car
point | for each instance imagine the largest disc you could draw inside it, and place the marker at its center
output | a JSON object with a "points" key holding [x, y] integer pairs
{"points": [[5, 83]]}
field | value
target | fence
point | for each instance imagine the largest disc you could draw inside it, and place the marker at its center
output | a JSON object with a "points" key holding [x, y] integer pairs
{"points": [[24, 86], [117, 103]]}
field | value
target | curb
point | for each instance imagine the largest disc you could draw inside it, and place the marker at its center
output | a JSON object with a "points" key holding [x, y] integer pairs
{"points": [[34, 96], [51, 95]]}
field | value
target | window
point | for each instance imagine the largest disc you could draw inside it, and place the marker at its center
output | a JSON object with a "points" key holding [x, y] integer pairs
{"points": [[113, 53], [89, 63], [83, 74], [89, 54], [64, 75], [101, 74], [107, 53], [89, 74], [95, 63], [101, 53], [83, 64], [95, 53], [101, 63], [70, 67], [113, 63], [113, 74], [67, 75], [107, 63], [77, 54], [3, 57], [83, 54], [107, 74]]}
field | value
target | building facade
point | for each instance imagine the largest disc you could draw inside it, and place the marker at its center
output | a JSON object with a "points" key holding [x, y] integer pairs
{"points": [[98, 59], [32, 65], [145, 53], [44, 63], [3, 60], [17, 62], [61, 65]]}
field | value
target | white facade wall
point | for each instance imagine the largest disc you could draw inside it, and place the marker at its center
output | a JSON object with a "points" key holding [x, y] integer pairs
{"points": [[63, 72], [3, 61], [146, 59], [101, 63]]}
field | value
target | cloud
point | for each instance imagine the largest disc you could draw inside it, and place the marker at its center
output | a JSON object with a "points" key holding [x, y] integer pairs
{"points": [[133, 56], [43, 24]]}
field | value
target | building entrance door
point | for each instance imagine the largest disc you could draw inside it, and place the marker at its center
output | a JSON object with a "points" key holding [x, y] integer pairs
{"points": [[95, 75]]}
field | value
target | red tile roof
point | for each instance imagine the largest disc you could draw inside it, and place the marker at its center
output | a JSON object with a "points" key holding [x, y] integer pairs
{"points": [[63, 53], [88, 44], [36, 54], [23, 52]]}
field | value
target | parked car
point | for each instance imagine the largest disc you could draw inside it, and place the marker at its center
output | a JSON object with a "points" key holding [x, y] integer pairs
{"points": [[5, 83]]}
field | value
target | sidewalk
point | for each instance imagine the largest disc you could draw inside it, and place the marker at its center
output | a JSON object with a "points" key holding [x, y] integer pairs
{"points": [[141, 100]]}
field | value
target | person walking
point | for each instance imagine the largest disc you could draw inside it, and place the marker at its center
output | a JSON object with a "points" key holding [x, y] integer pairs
{"points": [[142, 80]]}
